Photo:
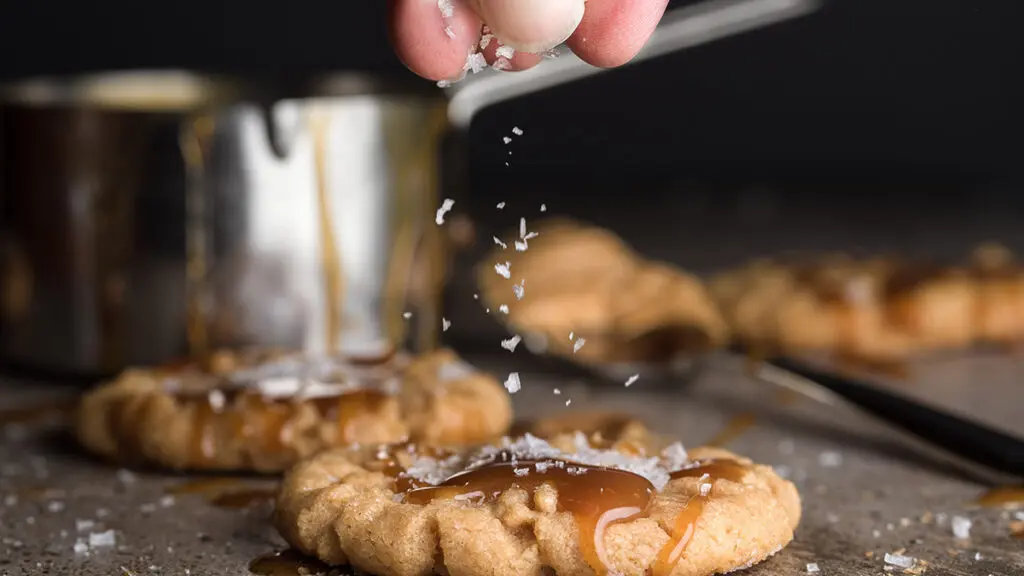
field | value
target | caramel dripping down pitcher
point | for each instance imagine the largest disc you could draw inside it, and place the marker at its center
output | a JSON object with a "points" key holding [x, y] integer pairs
{"points": [[308, 219]]}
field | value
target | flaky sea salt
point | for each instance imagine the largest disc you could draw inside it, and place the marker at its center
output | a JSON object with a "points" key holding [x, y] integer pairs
{"points": [[503, 308], [900, 560], [506, 139], [557, 391], [521, 246], [578, 344], [812, 567], [446, 7], [446, 207], [521, 471], [406, 315], [100, 539], [543, 207], [83, 525], [505, 52], [512, 383], [632, 380], [830, 459], [55, 506], [500, 243], [517, 131], [80, 547], [445, 324], [475, 63], [961, 527], [503, 270], [568, 402], [500, 206], [511, 343], [485, 41], [519, 291]]}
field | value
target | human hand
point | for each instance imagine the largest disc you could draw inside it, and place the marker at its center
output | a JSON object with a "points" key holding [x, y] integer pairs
{"points": [[434, 45]]}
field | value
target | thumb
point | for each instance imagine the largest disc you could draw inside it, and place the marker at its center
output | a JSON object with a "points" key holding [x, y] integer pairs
{"points": [[530, 25]]}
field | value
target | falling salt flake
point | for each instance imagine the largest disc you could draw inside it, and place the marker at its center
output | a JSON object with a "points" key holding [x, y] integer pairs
{"points": [[446, 207], [569, 401], [476, 296], [517, 131], [578, 344], [506, 139], [632, 380], [503, 308], [445, 324], [519, 291], [98, 539], [406, 315], [531, 235], [521, 246], [572, 336], [977, 556], [512, 383], [511, 343], [500, 206], [55, 506], [961, 527], [485, 41], [80, 547], [505, 52], [543, 207], [522, 227], [557, 392], [900, 560], [830, 459], [166, 501], [812, 568], [499, 242], [446, 7], [502, 270]]}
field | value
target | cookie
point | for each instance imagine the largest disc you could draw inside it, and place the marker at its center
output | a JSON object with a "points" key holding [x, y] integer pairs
{"points": [[877, 309], [529, 506], [265, 411], [574, 282]]}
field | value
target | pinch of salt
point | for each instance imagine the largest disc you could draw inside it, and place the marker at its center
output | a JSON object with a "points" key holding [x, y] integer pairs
{"points": [[578, 344], [511, 343], [900, 560], [503, 270], [517, 131], [512, 383], [445, 324], [812, 567], [505, 52], [632, 380], [500, 243], [503, 308], [446, 207], [961, 527]]}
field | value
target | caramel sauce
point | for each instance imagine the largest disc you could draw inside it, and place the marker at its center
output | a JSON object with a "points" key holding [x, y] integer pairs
{"points": [[1004, 496], [596, 497], [733, 429], [685, 523], [226, 492], [287, 563], [238, 499], [206, 486]]}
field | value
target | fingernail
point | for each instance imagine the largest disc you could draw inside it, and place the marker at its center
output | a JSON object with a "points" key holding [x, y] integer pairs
{"points": [[531, 25]]}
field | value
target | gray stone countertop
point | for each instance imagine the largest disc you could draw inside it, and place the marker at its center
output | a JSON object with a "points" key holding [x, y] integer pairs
{"points": [[866, 490]]}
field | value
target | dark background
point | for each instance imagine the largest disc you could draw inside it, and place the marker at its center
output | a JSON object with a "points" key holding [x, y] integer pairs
{"points": [[895, 108]]}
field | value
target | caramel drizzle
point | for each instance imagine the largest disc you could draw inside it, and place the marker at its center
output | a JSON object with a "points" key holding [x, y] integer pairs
{"points": [[597, 497]]}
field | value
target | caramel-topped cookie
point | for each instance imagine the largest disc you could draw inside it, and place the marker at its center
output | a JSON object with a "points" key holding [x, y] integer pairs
{"points": [[263, 411], [566, 278], [876, 309], [530, 506]]}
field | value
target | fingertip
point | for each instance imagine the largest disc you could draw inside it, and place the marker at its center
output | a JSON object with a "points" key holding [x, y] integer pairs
{"points": [[612, 32], [519, 60], [429, 44]]}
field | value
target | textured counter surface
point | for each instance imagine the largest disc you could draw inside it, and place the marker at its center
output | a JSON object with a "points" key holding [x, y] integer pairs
{"points": [[866, 491]]}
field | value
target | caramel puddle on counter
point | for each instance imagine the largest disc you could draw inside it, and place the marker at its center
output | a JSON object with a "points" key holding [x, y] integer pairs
{"points": [[287, 563], [1004, 496], [233, 493]]}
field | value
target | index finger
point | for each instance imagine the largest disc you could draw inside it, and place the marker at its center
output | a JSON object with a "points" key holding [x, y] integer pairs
{"points": [[429, 43]]}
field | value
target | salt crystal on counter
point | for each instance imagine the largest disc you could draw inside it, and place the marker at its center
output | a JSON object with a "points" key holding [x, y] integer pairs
{"points": [[83, 525], [900, 560], [80, 547], [812, 568], [961, 527], [100, 539], [830, 459], [632, 380]]}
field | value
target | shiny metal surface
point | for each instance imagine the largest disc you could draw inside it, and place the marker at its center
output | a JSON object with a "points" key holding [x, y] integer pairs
{"points": [[308, 218], [90, 209]]}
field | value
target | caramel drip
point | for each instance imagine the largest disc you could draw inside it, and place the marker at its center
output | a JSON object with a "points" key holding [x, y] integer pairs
{"points": [[238, 499], [287, 563], [685, 523], [597, 497], [1008, 496], [207, 486]]}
